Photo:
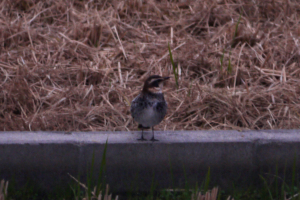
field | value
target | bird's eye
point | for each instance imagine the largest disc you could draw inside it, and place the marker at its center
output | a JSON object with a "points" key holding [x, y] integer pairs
{"points": [[155, 84]]}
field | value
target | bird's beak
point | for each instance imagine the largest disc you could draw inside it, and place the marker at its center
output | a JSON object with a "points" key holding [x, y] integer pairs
{"points": [[165, 78]]}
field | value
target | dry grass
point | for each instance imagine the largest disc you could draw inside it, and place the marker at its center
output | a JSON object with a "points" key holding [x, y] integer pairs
{"points": [[209, 195], [3, 189], [76, 65], [93, 195]]}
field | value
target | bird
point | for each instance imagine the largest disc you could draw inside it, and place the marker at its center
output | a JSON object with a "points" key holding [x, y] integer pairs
{"points": [[149, 107]]}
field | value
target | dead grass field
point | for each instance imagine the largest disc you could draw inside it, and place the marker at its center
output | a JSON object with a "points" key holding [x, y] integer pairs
{"points": [[76, 65]]}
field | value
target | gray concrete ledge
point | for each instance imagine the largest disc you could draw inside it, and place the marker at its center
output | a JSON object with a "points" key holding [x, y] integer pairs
{"points": [[179, 157]]}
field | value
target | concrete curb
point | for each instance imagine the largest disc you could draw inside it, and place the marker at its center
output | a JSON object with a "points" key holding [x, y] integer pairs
{"points": [[179, 157]]}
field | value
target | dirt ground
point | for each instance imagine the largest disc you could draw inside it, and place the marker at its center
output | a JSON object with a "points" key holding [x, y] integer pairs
{"points": [[76, 65]]}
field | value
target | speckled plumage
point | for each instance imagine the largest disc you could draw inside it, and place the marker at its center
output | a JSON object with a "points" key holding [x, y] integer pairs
{"points": [[149, 108]]}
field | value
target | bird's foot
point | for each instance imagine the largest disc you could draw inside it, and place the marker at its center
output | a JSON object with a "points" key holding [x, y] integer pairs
{"points": [[142, 139], [153, 139]]}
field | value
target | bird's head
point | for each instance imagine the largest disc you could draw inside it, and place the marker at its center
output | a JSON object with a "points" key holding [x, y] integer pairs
{"points": [[154, 84]]}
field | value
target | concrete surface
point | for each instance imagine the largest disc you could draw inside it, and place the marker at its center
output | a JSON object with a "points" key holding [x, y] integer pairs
{"points": [[179, 157]]}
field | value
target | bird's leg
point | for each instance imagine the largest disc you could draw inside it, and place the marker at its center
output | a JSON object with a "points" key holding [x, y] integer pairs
{"points": [[142, 138], [152, 139]]}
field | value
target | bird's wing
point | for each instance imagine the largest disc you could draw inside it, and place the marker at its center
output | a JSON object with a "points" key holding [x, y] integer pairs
{"points": [[160, 106]]}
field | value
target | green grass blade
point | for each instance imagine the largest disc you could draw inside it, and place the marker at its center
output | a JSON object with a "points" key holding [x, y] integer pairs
{"points": [[77, 187], [267, 187], [236, 30], [229, 68], [185, 177], [276, 182], [152, 189], [207, 180], [294, 175], [175, 68], [102, 169], [171, 173], [90, 177], [237, 27]]}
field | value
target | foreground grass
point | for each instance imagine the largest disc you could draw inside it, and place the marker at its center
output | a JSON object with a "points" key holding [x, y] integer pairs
{"points": [[271, 187], [267, 192]]}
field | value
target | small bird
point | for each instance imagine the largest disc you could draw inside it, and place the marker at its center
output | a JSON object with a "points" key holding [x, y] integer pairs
{"points": [[149, 107]]}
